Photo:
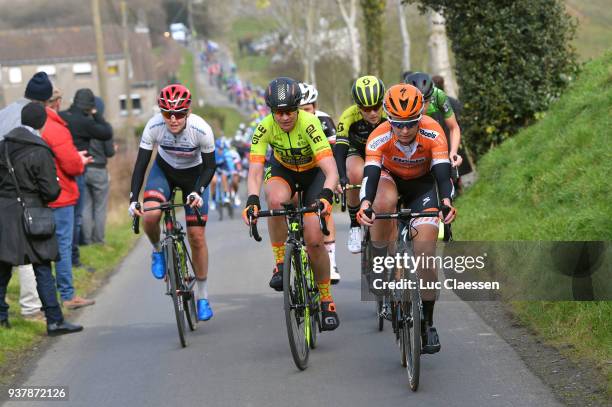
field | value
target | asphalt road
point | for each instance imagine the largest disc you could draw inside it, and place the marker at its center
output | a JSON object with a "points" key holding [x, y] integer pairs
{"points": [[129, 354]]}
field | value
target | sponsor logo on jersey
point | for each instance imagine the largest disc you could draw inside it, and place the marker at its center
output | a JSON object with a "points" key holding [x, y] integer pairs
{"points": [[403, 160], [428, 133], [379, 141]]}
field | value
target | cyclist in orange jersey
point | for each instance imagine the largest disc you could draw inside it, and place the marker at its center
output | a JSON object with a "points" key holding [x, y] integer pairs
{"points": [[407, 163]]}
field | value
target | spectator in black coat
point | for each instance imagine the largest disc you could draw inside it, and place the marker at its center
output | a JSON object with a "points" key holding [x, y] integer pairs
{"points": [[85, 124], [35, 172]]}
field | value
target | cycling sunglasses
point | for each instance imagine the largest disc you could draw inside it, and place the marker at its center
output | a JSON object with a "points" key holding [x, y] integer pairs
{"points": [[368, 109], [400, 124], [177, 115], [284, 111]]}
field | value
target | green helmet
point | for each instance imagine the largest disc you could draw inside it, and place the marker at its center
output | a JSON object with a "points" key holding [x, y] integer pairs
{"points": [[368, 91]]}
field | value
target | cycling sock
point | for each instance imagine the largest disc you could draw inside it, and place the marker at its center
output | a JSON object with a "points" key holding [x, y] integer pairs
{"points": [[331, 250], [278, 249], [157, 247], [324, 290], [353, 215], [428, 308], [202, 289]]}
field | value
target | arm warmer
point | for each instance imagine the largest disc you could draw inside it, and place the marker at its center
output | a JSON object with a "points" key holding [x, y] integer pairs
{"points": [[208, 171], [140, 168], [442, 174], [340, 152], [371, 176]]}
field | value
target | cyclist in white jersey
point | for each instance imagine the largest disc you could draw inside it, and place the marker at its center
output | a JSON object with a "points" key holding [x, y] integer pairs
{"points": [[309, 104], [186, 160]]}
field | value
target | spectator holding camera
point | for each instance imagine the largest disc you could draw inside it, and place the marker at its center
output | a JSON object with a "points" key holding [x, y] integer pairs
{"points": [[85, 124], [28, 180], [96, 186]]}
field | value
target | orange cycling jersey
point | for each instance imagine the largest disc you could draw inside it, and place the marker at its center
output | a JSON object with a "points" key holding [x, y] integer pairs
{"points": [[415, 160]]}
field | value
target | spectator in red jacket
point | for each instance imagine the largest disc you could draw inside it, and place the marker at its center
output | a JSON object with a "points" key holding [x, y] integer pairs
{"points": [[69, 163]]}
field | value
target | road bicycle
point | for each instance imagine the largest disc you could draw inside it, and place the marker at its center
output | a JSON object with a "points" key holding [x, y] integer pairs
{"points": [[402, 307], [180, 277], [300, 291]]}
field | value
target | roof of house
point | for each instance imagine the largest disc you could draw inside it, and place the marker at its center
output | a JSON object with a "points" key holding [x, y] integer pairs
{"points": [[75, 44]]}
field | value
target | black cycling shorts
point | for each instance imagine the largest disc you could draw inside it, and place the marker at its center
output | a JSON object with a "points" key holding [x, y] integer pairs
{"points": [[310, 181]]}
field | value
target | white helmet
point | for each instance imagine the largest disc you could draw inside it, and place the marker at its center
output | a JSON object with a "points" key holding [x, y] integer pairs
{"points": [[309, 94]]}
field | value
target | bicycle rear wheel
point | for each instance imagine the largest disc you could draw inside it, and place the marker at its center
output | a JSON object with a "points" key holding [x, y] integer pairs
{"points": [[175, 285], [297, 313]]}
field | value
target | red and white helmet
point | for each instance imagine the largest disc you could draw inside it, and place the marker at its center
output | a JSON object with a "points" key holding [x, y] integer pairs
{"points": [[174, 98]]}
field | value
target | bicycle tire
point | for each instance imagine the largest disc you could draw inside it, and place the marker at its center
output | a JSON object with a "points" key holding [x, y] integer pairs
{"points": [[220, 209], [412, 332], [296, 312], [410, 327], [230, 210], [381, 319], [177, 302], [188, 300], [191, 312], [401, 335], [313, 300]]}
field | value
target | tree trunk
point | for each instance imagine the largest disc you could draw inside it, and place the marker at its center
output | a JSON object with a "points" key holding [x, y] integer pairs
{"points": [[439, 61], [373, 18], [350, 19], [309, 57], [401, 13]]}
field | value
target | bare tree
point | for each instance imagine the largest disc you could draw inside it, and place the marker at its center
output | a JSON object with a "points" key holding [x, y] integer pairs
{"points": [[297, 19], [439, 61], [350, 19], [401, 13]]}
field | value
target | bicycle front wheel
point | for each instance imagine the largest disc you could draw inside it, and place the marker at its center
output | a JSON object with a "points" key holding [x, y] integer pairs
{"points": [[175, 285], [297, 312], [410, 337]]}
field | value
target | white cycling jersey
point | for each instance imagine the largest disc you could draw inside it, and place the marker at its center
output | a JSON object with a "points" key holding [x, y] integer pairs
{"points": [[182, 150]]}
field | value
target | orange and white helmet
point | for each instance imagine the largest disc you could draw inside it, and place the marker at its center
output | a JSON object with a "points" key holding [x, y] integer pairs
{"points": [[403, 102]]}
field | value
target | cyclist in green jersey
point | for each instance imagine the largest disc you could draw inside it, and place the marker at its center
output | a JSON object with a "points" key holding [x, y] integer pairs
{"points": [[301, 156], [436, 102], [354, 127]]}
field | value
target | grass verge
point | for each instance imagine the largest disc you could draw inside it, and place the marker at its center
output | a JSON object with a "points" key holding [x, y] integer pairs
{"points": [[551, 182]]}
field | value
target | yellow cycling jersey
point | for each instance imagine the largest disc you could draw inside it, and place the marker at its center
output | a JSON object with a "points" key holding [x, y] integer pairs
{"points": [[353, 130], [299, 150]]}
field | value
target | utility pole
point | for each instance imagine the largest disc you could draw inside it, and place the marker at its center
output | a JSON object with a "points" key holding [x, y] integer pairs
{"points": [[129, 132], [195, 92], [97, 22]]}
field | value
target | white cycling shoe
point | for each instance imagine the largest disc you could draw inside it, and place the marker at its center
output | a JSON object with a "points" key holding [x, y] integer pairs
{"points": [[354, 241], [334, 276]]}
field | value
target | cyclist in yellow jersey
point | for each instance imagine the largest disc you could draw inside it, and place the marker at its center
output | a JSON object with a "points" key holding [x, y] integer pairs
{"points": [[354, 127], [301, 155]]}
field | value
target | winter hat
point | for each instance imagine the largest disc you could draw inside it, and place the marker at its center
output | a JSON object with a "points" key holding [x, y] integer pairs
{"points": [[99, 105], [84, 99], [39, 87], [34, 115]]}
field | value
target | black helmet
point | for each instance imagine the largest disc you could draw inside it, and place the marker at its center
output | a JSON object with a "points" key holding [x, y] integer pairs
{"points": [[422, 81], [283, 93]]}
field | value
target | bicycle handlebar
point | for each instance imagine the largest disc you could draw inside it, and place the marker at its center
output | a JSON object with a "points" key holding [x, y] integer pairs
{"points": [[407, 213], [164, 207], [253, 232]]}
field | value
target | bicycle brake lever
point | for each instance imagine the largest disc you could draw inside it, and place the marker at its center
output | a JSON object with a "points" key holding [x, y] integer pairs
{"points": [[136, 221]]}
